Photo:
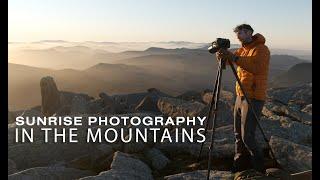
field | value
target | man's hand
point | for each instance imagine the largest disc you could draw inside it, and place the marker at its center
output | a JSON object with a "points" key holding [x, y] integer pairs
{"points": [[225, 54]]}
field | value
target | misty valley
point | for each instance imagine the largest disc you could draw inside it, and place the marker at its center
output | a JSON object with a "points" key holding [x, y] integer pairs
{"points": [[90, 70]]}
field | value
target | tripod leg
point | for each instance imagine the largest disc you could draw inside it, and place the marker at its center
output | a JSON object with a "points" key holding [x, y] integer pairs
{"points": [[210, 109], [253, 110], [217, 95]]}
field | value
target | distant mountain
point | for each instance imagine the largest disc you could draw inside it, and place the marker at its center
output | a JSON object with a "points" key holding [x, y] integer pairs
{"points": [[84, 69], [284, 62], [290, 51], [298, 74]]}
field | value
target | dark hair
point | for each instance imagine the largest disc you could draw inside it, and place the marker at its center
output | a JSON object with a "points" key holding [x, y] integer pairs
{"points": [[242, 26]]}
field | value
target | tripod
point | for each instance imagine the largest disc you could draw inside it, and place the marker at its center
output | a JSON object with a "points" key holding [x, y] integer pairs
{"points": [[214, 109]]}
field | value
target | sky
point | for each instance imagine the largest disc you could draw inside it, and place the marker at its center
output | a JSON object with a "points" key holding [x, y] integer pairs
{"points": [[284, 23]]}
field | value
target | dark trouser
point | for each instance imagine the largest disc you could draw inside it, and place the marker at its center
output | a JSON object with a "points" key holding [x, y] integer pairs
{"points": [[244, 130]]}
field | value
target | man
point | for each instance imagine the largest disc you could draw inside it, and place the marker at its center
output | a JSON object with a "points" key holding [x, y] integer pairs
{"points": [[252, 60]]}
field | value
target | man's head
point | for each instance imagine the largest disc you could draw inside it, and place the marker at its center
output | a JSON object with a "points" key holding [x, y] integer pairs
{"points": [[244, 33]]}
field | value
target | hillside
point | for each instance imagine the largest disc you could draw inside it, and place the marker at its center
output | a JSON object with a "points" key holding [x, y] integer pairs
{"points": [[298, 74]]}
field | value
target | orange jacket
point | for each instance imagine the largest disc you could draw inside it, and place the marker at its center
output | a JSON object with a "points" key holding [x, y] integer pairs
{"points": [[253, 68]]}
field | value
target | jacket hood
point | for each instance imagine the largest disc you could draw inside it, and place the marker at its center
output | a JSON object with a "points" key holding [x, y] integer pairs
{"points": [[256, 39]]}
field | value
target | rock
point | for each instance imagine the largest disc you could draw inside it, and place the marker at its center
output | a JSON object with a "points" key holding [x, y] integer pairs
{"points": [[107, 101], [302, 175], [190, 96], [278, 173], [249, 174], [301, 95], [224, 138], [134, 147], [201, 174], [224, 96], [307, 109], [158, 160], [11, 117], [176, 107], [132, 100], [147, 104], [50, 96], [78, 105], [294, 114], [123, 161], [50, 173], [124, 166], [285, 128], [223, 144], [95, 106], [11, 167], [284, 110], [39, 154], [67, 97], [224, 115], [110, 105], [291, 156], [98, 160]]}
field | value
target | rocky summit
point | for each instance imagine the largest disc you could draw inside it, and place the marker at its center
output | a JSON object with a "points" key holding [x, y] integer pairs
{"points": [[286, 121]]}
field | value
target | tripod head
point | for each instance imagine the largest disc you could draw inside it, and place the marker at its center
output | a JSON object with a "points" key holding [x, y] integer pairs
{"points": [[220, 43]]}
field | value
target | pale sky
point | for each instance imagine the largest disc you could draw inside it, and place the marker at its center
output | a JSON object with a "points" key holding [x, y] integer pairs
{"points": [[285, 23]]}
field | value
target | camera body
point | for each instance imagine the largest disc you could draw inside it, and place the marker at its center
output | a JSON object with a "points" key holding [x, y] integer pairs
{"points": [[219, 43]]}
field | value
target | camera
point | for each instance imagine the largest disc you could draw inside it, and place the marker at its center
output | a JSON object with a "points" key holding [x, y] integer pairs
{"points": [[219, 43]]}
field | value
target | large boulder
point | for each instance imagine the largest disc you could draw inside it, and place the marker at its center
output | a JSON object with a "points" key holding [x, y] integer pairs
{"points": [[224, 96], [132, 146], [291, 156], [157, 158], [98, 160], [273, 108], [50, 96], [78, 105], [124, 166], [201, 174], [299, 95], [285, 128], [50, 173], [179, 108], [176, 108]]}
